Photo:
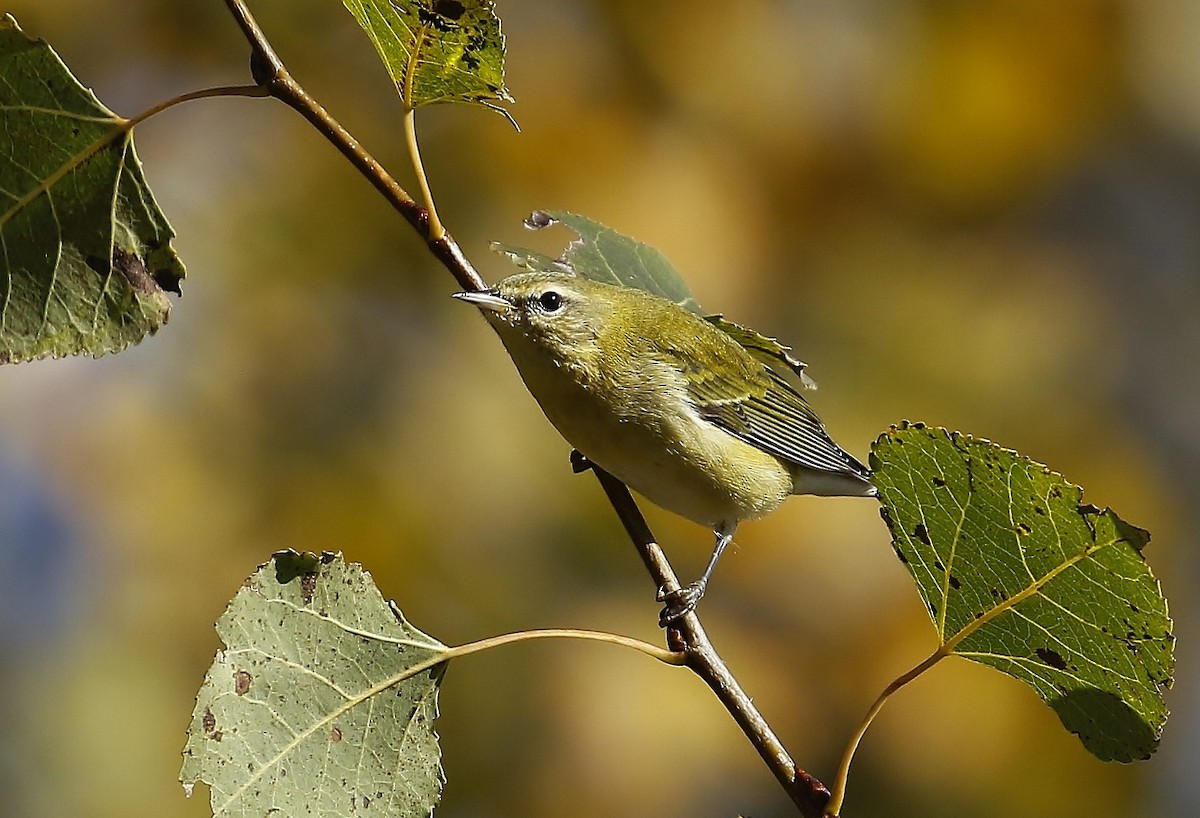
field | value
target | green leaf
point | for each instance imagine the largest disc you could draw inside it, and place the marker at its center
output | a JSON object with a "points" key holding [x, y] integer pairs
{"points": [[322, 701], [86, 253], [1018, 573], [602, 254], [438, 50]]}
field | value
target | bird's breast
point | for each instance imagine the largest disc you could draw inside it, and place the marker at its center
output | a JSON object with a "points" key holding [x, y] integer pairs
{"points": [[642, 428]]}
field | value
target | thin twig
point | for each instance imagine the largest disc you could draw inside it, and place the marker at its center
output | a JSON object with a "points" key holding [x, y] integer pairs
{"points": [[686, 634]]}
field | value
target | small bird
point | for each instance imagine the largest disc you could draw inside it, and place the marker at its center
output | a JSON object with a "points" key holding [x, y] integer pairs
{"points": [[668, 403]]}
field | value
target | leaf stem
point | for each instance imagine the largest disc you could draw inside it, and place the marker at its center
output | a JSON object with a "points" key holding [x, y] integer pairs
{"points": [[839, 785], [670, 657], [270, 71], [436, 230], [203, 93]]}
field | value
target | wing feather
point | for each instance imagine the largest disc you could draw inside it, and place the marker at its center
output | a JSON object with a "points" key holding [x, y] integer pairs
{"points": [[767, 412]]}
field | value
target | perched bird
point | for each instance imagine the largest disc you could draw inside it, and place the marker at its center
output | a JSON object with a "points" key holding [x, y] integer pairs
{"points": [[668, 403]]}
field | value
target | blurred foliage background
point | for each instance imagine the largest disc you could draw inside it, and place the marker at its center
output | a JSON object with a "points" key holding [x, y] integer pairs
{"points": [[984, 215]]}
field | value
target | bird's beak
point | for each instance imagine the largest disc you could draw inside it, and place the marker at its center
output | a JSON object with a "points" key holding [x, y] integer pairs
{"points": [[486, 300]]}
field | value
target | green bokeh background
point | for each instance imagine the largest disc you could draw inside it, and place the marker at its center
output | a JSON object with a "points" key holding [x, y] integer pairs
{"points": [[984, 215]]}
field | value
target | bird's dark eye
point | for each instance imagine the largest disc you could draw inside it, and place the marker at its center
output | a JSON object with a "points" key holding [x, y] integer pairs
{"points": [[550, 301]]}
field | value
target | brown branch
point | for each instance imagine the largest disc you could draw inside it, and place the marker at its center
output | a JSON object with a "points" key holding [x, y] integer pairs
{"points": [[686, 634]]}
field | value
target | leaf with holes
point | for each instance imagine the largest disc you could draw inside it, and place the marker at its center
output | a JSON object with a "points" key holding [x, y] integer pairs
{"points": [[602, 254], [86, 253], [322, 701], [1018, 573], [438, 50]]}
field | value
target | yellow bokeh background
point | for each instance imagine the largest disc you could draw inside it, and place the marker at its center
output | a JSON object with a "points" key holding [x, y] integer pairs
{"points": [[983, 215]]}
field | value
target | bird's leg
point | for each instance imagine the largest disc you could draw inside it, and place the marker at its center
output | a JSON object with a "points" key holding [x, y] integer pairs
{"points": [[685, 599]]}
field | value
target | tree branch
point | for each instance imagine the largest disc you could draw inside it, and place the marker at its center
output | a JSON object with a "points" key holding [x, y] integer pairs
{"points": [[686, 634]]}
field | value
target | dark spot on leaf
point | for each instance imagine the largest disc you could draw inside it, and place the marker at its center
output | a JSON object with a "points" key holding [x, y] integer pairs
{"points": [[335, 735], [434, 19], [208, 721], [954, 583], [1055, 492], [1024, 528], [133, 270], [922, 534], [1134, 608], [995, 592], [241, 682], [1039, 510], [900, 555], [308, 587], [366, 802], [1052, 657], [939, 482], [938, 565]]}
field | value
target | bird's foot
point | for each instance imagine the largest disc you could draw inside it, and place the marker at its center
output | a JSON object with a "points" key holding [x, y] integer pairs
{"points": [[680, 602], [579, 462]]}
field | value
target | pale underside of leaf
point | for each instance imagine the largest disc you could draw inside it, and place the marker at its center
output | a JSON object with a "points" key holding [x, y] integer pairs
{"points": [[321, 703], [85, 253], [1019, 574]]}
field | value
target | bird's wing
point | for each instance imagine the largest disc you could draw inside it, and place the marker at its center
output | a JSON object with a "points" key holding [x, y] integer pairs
{"points": [[760, 407]]}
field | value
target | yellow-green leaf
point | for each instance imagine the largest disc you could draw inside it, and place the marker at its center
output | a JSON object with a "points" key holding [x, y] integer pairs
{"points": [[1018, 573], [438, 50], [602, 254]]}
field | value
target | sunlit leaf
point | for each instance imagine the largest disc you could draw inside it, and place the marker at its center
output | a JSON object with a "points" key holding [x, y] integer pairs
{"points": [[602, 254], [438, 50], [85, 253], [1018, 573], [322, 701]]}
